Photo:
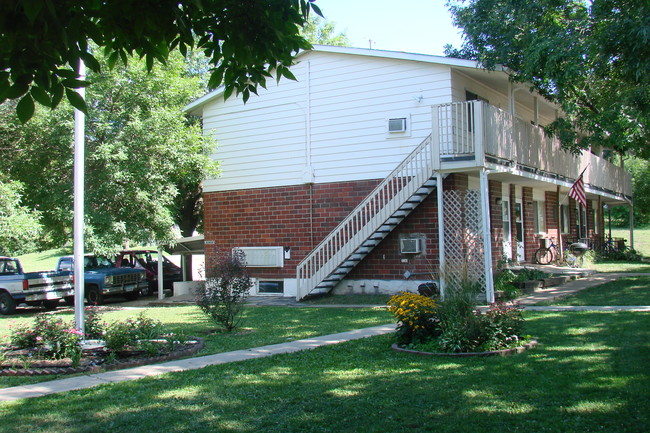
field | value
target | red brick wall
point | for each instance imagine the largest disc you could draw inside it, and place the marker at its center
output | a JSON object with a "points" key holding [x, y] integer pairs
{"points": [[280, 216], [552, 219]]}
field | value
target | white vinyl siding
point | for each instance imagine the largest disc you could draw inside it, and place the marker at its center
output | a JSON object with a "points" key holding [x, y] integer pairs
{"points": [[264, 142]]}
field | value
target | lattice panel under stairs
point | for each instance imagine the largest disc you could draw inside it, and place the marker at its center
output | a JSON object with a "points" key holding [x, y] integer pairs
{"points": [[464, 250]]}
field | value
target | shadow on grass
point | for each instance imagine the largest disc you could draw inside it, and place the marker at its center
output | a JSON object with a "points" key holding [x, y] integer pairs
{"points": [[588, 374]]}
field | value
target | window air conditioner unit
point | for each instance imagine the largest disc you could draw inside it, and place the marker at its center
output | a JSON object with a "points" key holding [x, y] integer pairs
{"points": [[263, 257], [397, 124], [410, 246]]}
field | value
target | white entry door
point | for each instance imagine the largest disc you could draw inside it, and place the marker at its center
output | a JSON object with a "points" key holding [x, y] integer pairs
{"points": [[519, 229], [507, 231]]}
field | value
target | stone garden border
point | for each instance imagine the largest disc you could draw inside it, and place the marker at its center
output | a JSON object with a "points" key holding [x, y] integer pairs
{"points": [[503, 352], [191, 347]]}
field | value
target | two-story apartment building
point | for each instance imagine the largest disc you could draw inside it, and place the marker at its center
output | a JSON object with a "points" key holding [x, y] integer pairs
{"points": [[375, 166]]}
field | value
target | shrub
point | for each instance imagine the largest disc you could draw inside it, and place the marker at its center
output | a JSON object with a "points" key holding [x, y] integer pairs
{"points": [[132, 333], [93, 323], [502, 326], [455, 324], [225, 290], [415, 315], [60, 339]]}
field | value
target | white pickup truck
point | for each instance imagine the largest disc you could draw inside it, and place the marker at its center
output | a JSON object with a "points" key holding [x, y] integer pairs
{"points": [[44, 288]]}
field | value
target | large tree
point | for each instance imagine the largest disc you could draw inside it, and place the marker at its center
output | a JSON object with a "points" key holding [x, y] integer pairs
{"points": [[590, 57], [20, 228], [145, 159], [42, 42]]}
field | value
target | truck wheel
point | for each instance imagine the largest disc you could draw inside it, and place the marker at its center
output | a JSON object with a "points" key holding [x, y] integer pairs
{"points": [[7, 304], [94, 296], [51, 304], [146, 291]]}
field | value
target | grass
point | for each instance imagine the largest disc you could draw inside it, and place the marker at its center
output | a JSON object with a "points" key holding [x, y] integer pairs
{"points": [[350, 300], [624, 291], [43, 261], [261, 326], [589, 373]]}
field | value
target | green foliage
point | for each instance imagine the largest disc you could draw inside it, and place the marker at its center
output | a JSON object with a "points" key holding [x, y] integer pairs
{"points": [[591, 58], [94, 324], [319, 31], [50, 332], [20, 227], [223, 294], [503, 280], [145, 160], [455, 325], [133, 334], [245, 42]]}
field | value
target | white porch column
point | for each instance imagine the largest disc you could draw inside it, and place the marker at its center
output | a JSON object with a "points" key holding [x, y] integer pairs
{"points": [[441, 235], [161, 294], [487, 241]]}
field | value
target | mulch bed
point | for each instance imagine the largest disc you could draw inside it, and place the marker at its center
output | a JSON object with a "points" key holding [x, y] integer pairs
{"points": [[26, 362]]}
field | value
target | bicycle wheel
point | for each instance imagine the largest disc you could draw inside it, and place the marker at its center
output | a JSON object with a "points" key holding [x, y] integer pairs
{"points": [[544, 256]]}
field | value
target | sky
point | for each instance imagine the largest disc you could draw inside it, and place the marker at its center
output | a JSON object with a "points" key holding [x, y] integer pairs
{"points": [[416, 26]]}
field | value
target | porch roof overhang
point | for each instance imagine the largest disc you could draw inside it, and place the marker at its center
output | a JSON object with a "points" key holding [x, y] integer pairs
{"points": [[188, 246], [524, 176]]}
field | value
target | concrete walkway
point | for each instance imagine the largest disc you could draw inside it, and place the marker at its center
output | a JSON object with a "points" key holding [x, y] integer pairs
{"points": [[91, 380]]}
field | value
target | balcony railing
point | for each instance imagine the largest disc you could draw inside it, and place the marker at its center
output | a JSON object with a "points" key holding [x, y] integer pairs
{"points": [[468, 131]]}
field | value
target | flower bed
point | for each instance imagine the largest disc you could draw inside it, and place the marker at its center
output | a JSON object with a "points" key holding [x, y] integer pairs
{"points": [[455, 325], [92, 360], [51, 346]]}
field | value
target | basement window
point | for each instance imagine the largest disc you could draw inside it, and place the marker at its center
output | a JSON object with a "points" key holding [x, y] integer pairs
{"points": [[270, 287]]}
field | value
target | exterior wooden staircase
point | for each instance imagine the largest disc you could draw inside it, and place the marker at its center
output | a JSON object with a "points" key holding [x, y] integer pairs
{"points": [[369, 223]]}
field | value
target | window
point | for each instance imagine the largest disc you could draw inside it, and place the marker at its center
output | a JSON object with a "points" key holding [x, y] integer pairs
{"points": [[539, 216], [271, 287], [564, 219]]}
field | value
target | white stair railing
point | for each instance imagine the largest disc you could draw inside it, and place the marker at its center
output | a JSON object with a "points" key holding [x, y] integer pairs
{"points": [[366, 218]]}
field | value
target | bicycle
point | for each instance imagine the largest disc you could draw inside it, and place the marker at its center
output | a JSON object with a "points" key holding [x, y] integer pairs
{"points": [[551, 254], [547, 255]]}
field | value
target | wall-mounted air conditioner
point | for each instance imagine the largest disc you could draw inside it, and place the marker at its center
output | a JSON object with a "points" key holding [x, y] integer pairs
{"points": [[397, 124], [410, 246], [263, 257]]}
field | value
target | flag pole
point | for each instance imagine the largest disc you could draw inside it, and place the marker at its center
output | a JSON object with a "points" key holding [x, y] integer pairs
{"points": [[78, 217]]}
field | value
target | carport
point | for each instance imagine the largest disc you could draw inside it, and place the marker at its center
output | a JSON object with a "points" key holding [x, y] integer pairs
{"points": [[186, 248]]}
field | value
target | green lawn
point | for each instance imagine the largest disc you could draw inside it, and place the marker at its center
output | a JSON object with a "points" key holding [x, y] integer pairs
{"points": [[625, 291], [588, 374], [260, 326]]}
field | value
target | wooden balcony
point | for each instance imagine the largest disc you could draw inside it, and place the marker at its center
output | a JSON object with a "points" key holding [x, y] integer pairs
{"points": [[476, 134]]}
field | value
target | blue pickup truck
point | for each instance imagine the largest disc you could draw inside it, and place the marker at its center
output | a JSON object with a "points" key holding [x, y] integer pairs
{"points": [[43, 288], [102, 278]]}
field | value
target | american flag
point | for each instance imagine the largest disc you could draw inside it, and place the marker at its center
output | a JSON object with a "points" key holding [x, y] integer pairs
{"points": [[578, 192]]}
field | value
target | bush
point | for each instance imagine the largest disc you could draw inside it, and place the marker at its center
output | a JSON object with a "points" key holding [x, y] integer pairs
{"points": [[225, 290], [415, 315], [60, 339], [93, 323], [132, 333]]}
